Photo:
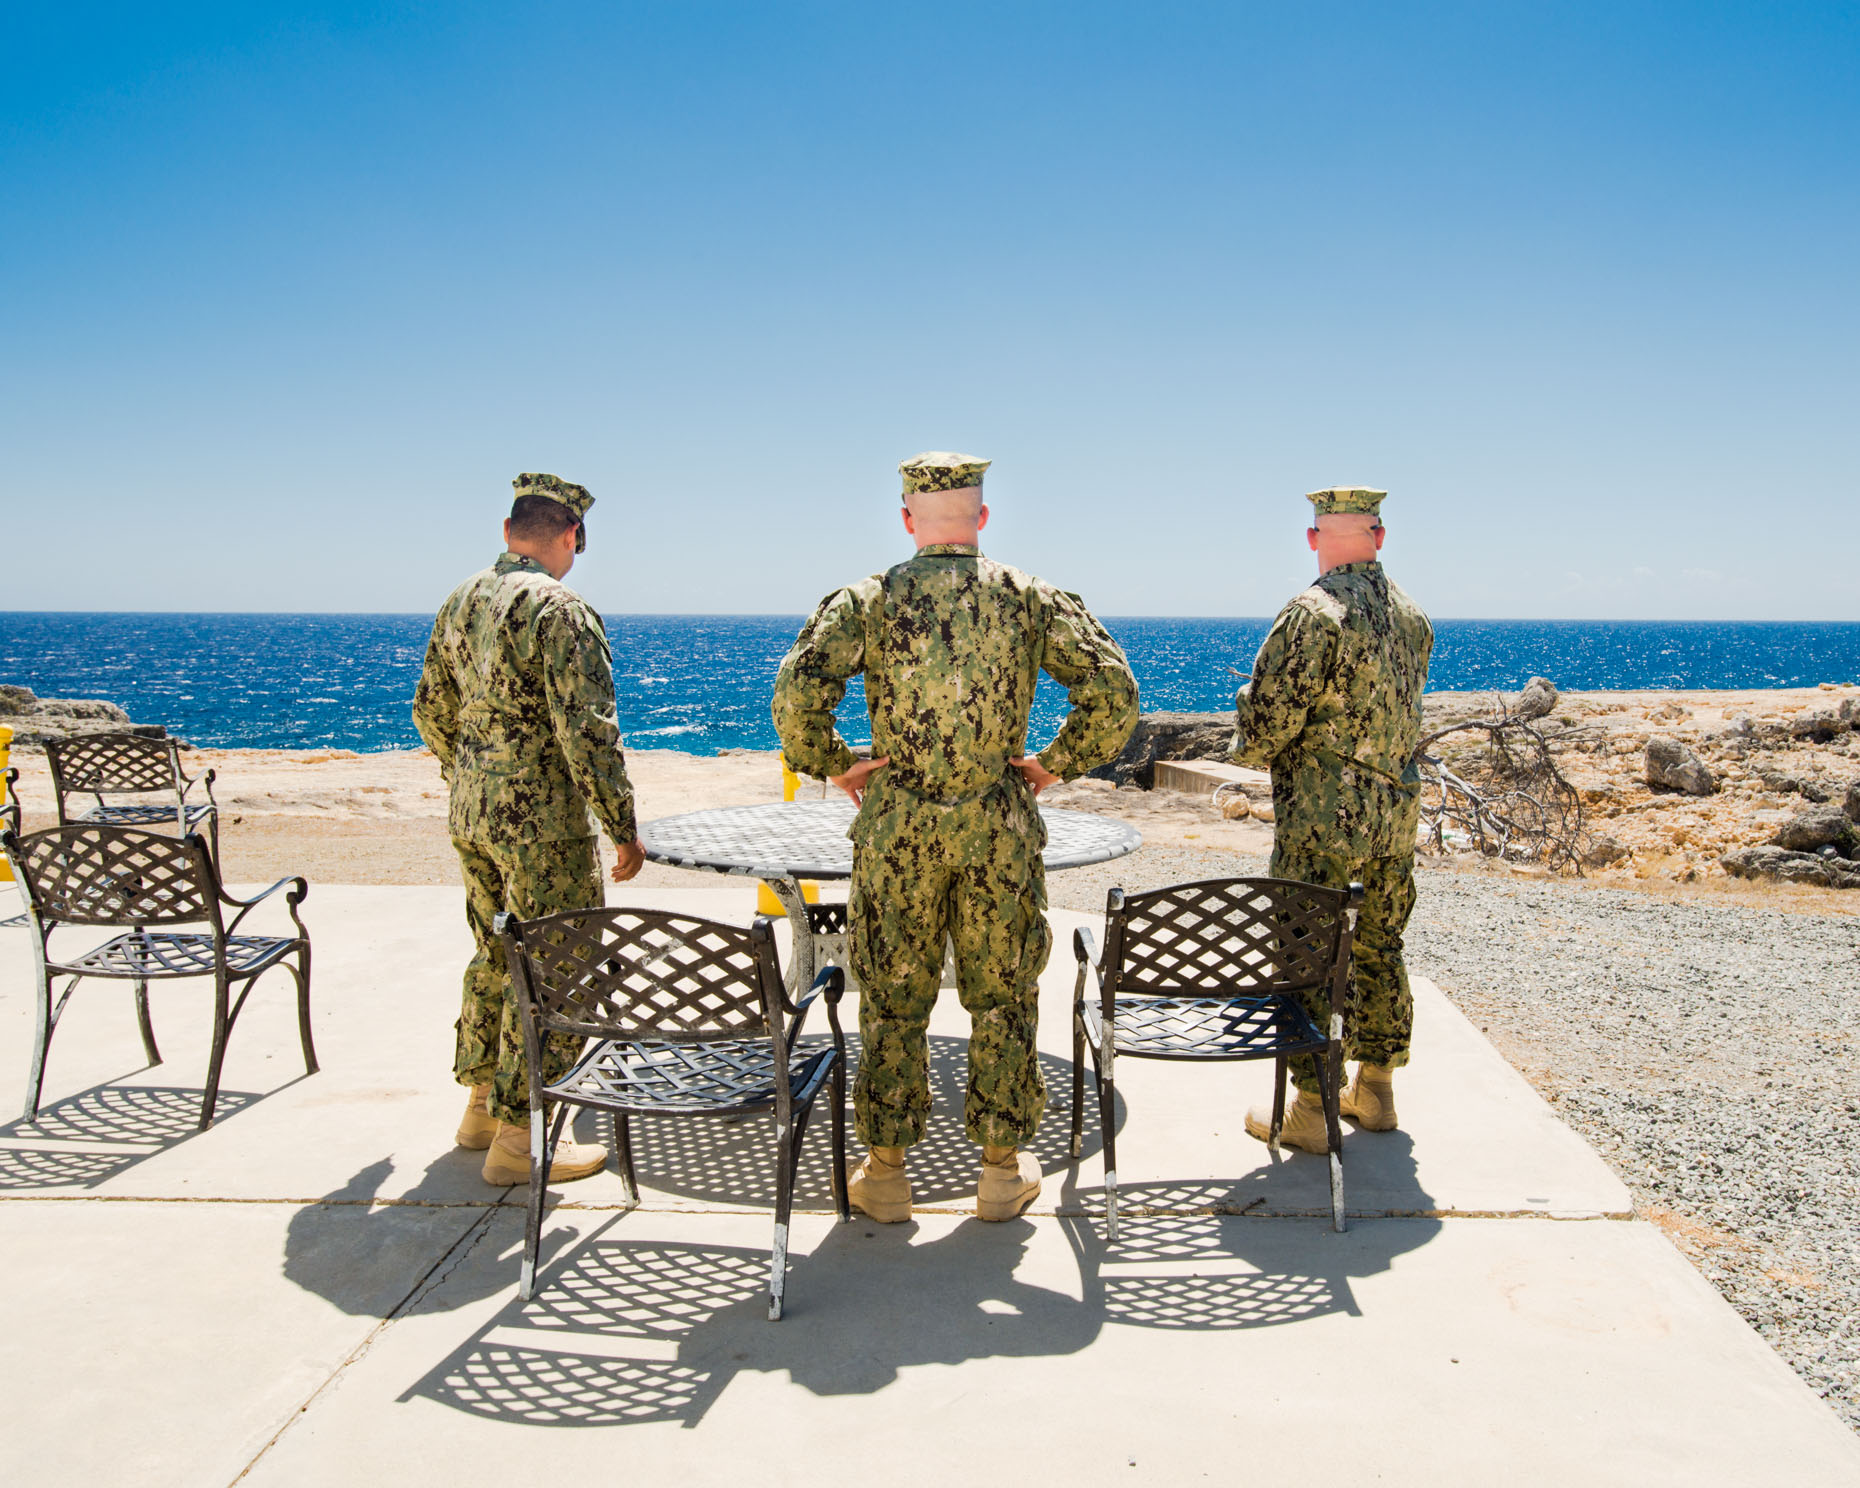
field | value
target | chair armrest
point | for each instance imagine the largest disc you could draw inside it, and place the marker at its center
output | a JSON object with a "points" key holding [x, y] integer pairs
{"points": [[205, 780], [832, 982], [300, 890], [1085, 948]]}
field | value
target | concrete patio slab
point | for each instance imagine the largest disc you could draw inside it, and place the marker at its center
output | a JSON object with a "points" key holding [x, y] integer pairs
{"points": [[321, 1289], [376, 1122], [1221, 1347], [167, 1343]]}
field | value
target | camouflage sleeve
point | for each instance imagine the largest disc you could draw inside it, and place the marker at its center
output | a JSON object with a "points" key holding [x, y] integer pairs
{"points": [[1080, 653], [829, 650], [1289, 675], [436, 705], [578, 676]]}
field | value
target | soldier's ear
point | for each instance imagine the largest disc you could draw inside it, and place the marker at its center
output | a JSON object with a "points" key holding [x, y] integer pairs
{"points": [[981, 517], [1381, 532], [910, 522], [1311, 538]]}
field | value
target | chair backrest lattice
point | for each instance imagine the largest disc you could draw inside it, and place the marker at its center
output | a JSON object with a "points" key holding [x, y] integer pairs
{"points": [[647, 974], [104, 875], [1226, 935], [112, 762]]}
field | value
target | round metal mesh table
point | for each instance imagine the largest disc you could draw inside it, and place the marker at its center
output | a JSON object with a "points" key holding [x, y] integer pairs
{"points": [[807, 839], [785, 841]]}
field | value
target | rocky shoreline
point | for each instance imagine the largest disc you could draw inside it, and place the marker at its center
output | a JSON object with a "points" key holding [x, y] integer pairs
{"points": [[1676, 787], [34, 720]]}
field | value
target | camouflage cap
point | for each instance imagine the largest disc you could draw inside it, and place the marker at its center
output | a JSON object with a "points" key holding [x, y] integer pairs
{"points": [[566, 493], [1335, 501], [939, 470]]}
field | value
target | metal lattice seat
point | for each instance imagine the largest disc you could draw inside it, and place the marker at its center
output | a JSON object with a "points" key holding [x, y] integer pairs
{"points": [[89, 874], [140, 954], [105, 765], [686, 1078], [687, 1017], [1223, 969]]}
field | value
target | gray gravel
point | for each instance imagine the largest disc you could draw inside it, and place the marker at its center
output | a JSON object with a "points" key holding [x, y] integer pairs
{"points": [[1706, 1051]]}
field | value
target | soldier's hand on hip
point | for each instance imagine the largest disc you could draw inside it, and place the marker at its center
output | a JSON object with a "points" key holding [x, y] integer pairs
{"points": [[1034, 773], [853, 781], [629, 858]]}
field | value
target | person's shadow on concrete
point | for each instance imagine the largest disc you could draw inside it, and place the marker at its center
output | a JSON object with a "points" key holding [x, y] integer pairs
{"points": [[370, 1257], [664, 1327], [869, 1301]]}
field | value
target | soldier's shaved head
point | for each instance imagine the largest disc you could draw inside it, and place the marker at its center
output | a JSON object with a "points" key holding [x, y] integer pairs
{"points": [[1348, 524], [959, 505], [935, 517], [1345, 537]]}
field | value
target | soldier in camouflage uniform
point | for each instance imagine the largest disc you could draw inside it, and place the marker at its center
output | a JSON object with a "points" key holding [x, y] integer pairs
{"points": [[1334, 712], [517, 700], [947, 842]]}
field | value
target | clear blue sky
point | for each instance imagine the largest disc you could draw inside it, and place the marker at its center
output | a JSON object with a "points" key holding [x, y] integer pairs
{"points": [[288, 293]]}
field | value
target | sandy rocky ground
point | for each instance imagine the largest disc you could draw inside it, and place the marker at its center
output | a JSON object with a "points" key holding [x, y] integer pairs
{"points": [[1699, 1029]]}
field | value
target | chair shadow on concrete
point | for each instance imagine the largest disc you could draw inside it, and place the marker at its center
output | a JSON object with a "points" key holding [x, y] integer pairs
{"points": [[664, 1328], [126, 1125], [1201, 1254], [722, 1162], [652, 1331]]}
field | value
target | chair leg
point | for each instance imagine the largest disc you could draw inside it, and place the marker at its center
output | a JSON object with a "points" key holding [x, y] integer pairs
{"points": [[147, 1028], [532, 1219], [1107, 1113], [784, 1204], [1279, 1066], [1332, 1078], [1078, 1083], [623, 1155], [303, 1011], [841, 1201], [48, 1019], [210, 1096]]}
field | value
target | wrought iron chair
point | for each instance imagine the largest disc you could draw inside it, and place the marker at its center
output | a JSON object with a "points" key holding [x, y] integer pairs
{"points": [[684, 1017], [102, 765], [128, 879], [1214, 971]]}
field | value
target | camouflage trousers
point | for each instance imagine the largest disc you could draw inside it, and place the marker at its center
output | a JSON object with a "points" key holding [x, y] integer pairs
{"points": [[527, 880], [986, 892], [1378, 1019]]}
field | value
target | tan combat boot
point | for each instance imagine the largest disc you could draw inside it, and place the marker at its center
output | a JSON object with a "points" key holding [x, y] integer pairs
{"points": [[879, 1188], [1010, 1182], [508, 1160], [1370, 1098], [479, 1126], [1304, 1124]]}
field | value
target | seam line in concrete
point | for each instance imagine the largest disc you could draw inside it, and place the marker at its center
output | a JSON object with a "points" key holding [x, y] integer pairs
{"points": [[465, 1244]]}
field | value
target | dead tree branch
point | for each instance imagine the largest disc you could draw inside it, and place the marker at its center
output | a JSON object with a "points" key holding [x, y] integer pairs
{"points": [[1504, 798]]}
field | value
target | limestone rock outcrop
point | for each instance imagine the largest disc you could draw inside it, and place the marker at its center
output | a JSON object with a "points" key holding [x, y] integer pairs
{"points": [[1163, 736], [1673, 765], [35, 719]]}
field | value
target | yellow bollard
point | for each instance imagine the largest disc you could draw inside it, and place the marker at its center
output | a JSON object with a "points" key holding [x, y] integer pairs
{"points": [[766, 902], [6, 749]]}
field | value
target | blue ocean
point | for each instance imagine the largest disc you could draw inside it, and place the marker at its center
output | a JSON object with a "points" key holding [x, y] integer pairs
{"points": [[701, 683]]}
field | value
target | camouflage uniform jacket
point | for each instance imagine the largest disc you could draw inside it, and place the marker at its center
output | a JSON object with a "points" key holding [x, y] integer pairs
{"points": [[951, 645], [1334, 712], [517, 700]]}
